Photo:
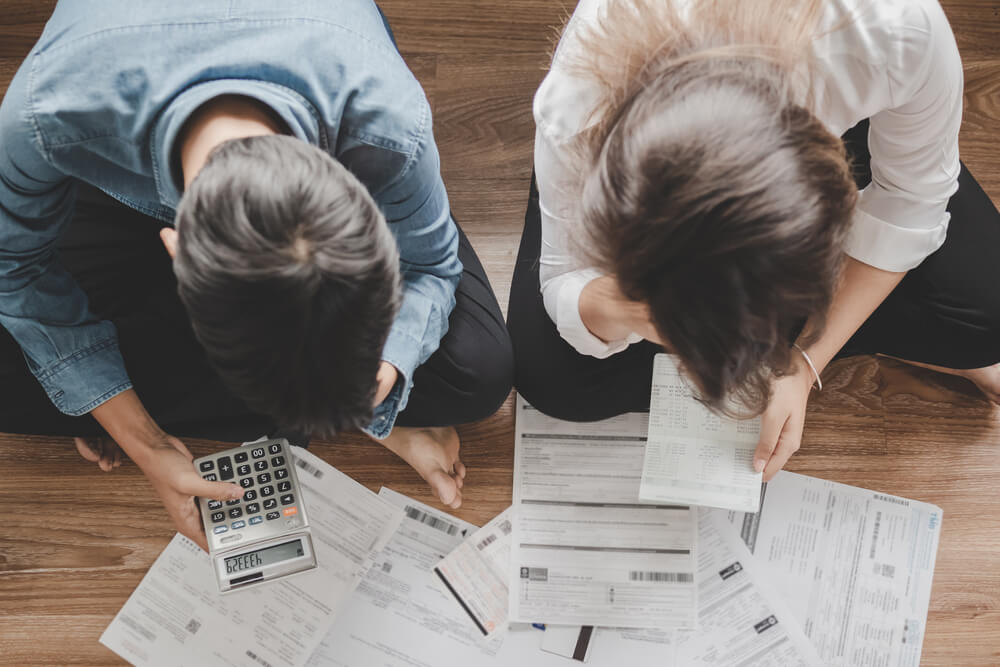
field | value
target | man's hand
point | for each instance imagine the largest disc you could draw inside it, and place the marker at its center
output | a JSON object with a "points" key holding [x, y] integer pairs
{"points": [[385, 380], [782, 422], [168, 466], [610, 315]]}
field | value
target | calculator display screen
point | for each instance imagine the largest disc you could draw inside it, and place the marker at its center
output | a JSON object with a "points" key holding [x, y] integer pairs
{"points": [[261, 557]]}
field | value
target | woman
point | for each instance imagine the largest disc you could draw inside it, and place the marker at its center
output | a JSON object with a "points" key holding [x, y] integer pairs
{"points": [[693, 192]]}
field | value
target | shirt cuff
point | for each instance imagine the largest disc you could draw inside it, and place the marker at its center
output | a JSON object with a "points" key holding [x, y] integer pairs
{"points": [[403, 352], [384, 417], [570, 324], [889, 247], [87, 378]]}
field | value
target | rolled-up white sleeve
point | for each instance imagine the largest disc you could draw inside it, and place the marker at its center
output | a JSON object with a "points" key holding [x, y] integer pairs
{"points": [[901, 218]]}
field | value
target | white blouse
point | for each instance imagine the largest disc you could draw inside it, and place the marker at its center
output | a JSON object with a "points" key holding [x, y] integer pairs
{"points": [[893, 61]]}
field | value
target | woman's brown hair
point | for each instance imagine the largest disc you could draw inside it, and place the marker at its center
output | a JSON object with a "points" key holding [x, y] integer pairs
{"points": [[714, 194]]}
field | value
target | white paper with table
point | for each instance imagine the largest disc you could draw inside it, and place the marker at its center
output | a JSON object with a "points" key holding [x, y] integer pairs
{"points": [[694, 456], [585, 551], [176, 616], [855, 565]]}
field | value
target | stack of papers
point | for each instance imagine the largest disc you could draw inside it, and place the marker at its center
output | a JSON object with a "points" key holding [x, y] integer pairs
{"points": [[615, 550]]}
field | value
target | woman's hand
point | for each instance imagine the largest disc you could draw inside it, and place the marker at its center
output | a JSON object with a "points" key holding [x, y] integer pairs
{"points": [[781, 424], [610, 315]]}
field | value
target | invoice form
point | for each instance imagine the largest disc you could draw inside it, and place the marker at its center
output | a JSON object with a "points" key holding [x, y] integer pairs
{"points": [[584, 550], [694, 456], [855, 565], [176, 616]]}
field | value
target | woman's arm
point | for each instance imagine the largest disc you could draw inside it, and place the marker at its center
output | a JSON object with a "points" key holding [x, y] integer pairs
{"points": [[862, 288]]}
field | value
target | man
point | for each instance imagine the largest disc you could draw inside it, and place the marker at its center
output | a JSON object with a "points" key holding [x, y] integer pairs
{"points": [[323, 283]]}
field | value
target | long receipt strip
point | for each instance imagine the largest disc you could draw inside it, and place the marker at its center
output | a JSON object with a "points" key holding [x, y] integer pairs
{"points": [[694, 456], [855, 565], [176, 615], [475, 574], [585, 551]]}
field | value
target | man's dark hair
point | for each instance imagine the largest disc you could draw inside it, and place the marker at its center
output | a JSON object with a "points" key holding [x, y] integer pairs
{"points": [[291, 278]]}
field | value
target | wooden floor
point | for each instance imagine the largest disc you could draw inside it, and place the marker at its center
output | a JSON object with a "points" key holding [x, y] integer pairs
{"points": [[74, 542]]}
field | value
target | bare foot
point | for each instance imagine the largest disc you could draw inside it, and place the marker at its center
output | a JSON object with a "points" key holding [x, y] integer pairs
{"points": [[986, 378], [433, 453], [103, 451]]}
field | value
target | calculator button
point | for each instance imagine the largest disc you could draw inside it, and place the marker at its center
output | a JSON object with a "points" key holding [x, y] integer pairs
{"points": [[210, 477], [270, 503], [235, 513], [266, 491], [264, 477], [246, 482], [239, 524], [260, 465], [258, 453], [278, 461], [206, 465], [243, 469], [250, 495], [281, 473], [287, 499], [253, 508], [290, 511], [218, 516], [240, 457], [233, 502], [225, 467], [271, 516], [254, 520], [218, 530], [284, 486], [274, 448], [214, 504]]}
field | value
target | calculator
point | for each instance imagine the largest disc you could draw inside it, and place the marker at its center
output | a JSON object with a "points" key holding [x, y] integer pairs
{"points": [[265, 535]]}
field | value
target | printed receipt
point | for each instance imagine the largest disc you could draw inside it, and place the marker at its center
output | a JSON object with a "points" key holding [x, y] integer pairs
{"points": [[176, 616], [475, 574], [694, 456]]}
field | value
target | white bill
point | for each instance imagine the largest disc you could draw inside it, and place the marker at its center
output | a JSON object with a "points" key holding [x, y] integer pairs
{"points": [[855, 565], [176, 616], [694, 456], [475, 574], [585, 551]]}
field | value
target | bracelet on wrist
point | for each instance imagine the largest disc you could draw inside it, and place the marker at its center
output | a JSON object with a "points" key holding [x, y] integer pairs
{"points": [[812, 366]]}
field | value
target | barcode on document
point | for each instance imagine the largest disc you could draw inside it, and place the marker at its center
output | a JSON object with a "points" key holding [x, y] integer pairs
{"points": [[309, 468], [661, 577], [432, 521], [490, 539], [253, 656], [886, 570]]}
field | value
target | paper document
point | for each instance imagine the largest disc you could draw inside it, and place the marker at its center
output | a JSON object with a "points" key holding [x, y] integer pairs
{"points": [[584, 550], [742, 622], [475, 574], [694, 456], [400, 617], [177, 616], [854, 565]]}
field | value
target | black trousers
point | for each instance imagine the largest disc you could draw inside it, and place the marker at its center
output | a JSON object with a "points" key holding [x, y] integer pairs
{"points": [[945, 312], [116, 256]]}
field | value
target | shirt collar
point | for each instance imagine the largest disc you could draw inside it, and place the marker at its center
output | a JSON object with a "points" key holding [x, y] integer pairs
{"points": [[296, 112]]}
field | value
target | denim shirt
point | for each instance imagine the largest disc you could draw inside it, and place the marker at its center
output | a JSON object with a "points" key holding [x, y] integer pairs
{"points": [[102, 98]]}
